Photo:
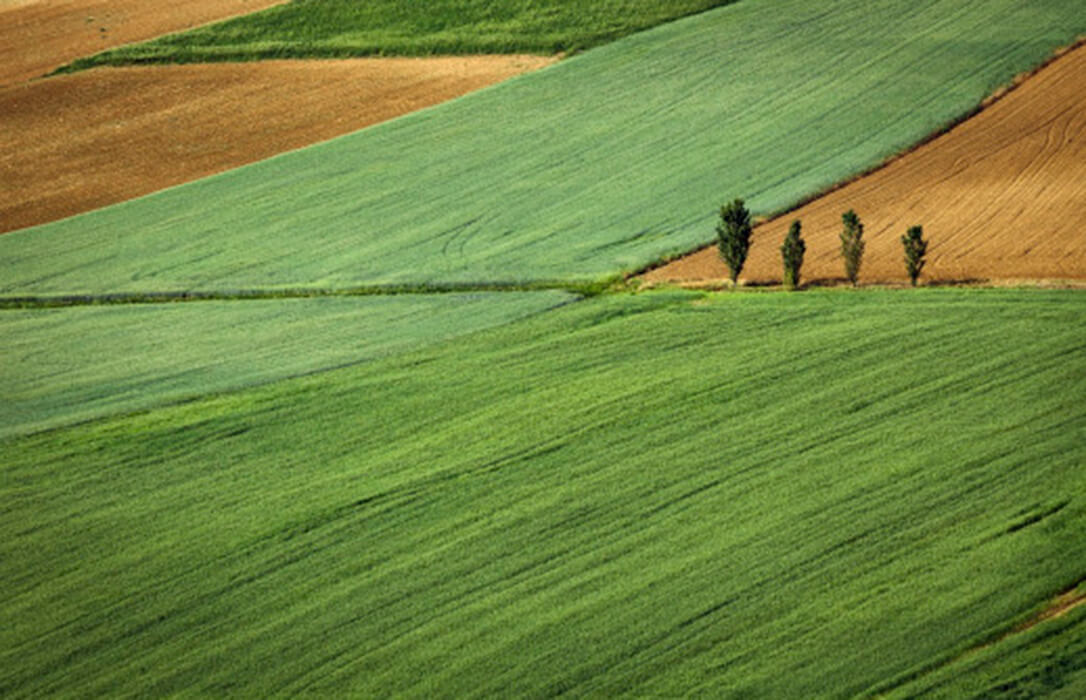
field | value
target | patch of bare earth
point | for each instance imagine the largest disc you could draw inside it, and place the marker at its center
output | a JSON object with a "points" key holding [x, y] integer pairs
{"points": [[1056, 608], [1001, 197], [38, 36], [73, 143], [1059, 607]]}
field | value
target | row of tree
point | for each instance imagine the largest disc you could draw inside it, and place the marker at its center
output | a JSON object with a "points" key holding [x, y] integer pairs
{"points": [[734, 232]]}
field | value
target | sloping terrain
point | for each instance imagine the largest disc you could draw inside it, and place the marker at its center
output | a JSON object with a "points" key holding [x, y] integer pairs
{"points": [[657, 495], [1000, 196], [67, 365], [598, 165], [1046, 660], [37, 36], [342, 28], [662, 494], [74, 143]]}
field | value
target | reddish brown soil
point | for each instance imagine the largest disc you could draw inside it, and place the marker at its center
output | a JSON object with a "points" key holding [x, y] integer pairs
{"points": [[1002, 196], [76, 142], [37, 36]]}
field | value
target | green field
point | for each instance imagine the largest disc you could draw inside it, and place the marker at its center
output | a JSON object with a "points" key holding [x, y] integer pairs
{"points": [[500, 493], [1047, 661], [600, 164], [759, 495], [342, 28], [65, 365]]}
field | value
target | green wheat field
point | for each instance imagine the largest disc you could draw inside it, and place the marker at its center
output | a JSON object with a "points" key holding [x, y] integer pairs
{"points": [[381, 417]]}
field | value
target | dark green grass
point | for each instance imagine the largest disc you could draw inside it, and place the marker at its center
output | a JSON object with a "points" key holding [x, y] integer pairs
{"points": [[803, 495], [599, 164], [343, 28], [1046, 660], [64, 365]]}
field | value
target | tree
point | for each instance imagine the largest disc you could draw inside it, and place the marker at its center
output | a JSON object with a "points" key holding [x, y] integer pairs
{"points": [[733, 233], [915, 250], [792, 251], [852, 245]]}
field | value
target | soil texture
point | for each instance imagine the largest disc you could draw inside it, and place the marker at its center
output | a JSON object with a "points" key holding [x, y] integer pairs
{"points": [[1001, 196], [38, 36], [72, 143]]}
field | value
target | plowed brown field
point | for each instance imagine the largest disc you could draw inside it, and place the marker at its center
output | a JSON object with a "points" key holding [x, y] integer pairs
{"points": [[73, 143], [37, 36], [1002, 196], [76, 142]]}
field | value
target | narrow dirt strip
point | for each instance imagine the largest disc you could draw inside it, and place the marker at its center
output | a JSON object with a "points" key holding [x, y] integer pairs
{"points": [[1063, 604], [1059, 606]]}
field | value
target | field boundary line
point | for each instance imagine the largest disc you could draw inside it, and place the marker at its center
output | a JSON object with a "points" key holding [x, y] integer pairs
{"points": [[997, 95], [583, 289]]}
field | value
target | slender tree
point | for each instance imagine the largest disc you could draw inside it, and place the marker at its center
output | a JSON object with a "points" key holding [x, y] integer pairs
{"points": [[915, 250], [733, 234], [852, 245], [792, 251]]}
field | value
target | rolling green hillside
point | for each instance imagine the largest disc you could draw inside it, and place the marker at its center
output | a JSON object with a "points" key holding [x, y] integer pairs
{"points": [[832, 493], [600, 164], [668, 494], [65, 365], [341, 28]]}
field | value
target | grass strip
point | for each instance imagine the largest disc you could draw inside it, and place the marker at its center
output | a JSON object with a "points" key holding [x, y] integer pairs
{"points": [[345, 28], [581, 289]]}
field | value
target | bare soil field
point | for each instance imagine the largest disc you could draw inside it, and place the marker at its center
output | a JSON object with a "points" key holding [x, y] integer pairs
{"points": [[38, 36], [72, 143], [1001, 197]]}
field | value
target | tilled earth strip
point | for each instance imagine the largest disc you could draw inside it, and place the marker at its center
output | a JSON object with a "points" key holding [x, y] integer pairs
{"points": [[72, 143]]}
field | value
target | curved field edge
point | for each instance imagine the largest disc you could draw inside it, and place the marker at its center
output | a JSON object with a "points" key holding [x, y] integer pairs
{"points": [[71, 144], [67, 365], [1001, 196], [659, 494], [342, 29], [37, 36], [597, 165]]}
